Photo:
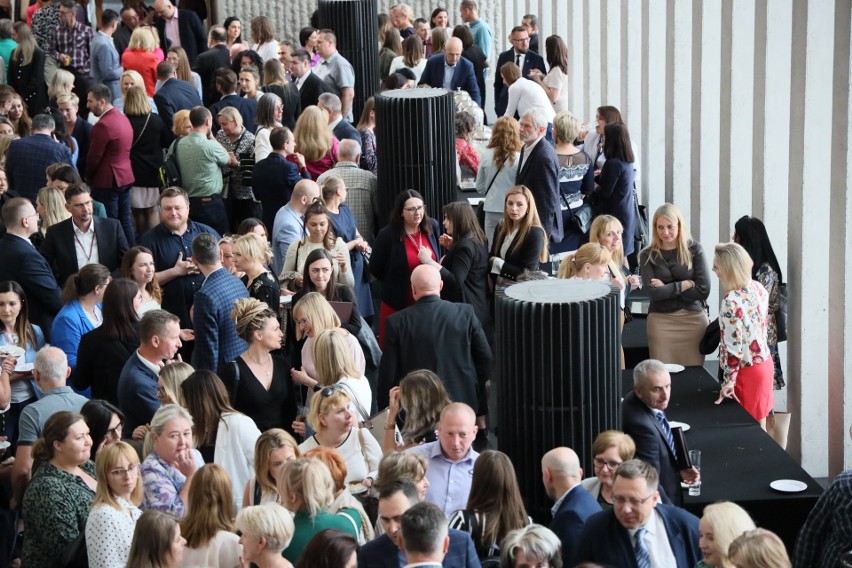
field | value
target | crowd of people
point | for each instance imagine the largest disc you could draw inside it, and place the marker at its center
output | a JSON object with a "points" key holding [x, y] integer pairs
{"points": [[194, 369]]}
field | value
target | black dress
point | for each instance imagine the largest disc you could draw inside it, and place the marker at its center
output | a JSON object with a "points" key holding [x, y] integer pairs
{"points": [[146, 157], [266, 289], [273, 408], [28, 81]]}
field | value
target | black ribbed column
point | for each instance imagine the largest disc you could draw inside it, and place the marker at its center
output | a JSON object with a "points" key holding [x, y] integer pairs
{"points": [[354, 22], [558, 352], [415, 146]]}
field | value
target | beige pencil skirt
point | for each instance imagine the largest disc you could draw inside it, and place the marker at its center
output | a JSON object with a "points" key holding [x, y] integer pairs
{"points": [[674, 337]]}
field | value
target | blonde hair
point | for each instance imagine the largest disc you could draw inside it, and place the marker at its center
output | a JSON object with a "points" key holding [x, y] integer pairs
{"points": [[333, 358], [733, 265], [313, 138], [653, 252], [615, 439], [589, 253], [272, 439], [566, 127], [61, 83], [106, 460], [142, 39], [53, 201], [138, 81], [603, 224], [250, 315], [728, 521], [529, 221], [231, 114], [68, 98], [309, 480], [210, 506], [759, 548], [6, 141], [318, 311], [162, 417], [136, 102], [322, 404], [252, 246], [269, 521], [173, 375], [179, 121]]}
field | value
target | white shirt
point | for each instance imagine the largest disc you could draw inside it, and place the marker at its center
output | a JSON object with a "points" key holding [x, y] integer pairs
{"points": [[301, 80], [267, 51], [525, 94], [527, 150], [398, 64], [357, 468], [657, 541], [497, 266], [109, 533], [85, 245]]}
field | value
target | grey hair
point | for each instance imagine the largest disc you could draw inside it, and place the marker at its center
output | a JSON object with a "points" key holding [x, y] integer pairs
{"points": [[348, 149], [331, 102], [538, 117], [424, 528], [537, 542], [51, 364], [163, 416], [646, 368], [638, 469]]}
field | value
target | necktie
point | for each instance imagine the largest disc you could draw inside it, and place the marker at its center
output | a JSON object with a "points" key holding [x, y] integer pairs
{"points": [[518, 59], [667, 430], [640, 549]]}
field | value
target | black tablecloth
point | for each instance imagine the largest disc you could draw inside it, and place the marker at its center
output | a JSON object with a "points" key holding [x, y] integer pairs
{"points": [[739, 460]]}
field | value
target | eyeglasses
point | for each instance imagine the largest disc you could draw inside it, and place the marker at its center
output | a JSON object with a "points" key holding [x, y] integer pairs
{"points": [[413, 210], [115, 432], [119, 473], [610, 464], [521, 40], [621, 500]]}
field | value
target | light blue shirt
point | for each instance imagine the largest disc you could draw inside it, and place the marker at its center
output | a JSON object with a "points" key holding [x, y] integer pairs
{"points": [[287, 228], [558, 504], [449, 72], [482, 36], [449, 481]]}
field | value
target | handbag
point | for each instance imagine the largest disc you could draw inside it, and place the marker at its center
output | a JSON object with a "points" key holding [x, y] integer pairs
{"points": [[778, 426], [712, 337], [640, 233], [781, 314], [480, 207]]}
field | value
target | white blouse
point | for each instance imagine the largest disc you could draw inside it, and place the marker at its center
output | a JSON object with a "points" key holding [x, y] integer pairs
{"points": [[223, 550], [109, 533], [357, 468]]}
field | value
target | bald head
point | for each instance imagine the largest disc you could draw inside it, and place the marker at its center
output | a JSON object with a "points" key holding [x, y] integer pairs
{"points": [[456, 430], [425, 281], [560, 469], [304, 192], [453, 51]]}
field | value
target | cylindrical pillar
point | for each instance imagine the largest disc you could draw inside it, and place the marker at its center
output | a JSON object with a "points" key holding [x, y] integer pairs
{"points": [[558, 351], [354, 22], [416, 148]]}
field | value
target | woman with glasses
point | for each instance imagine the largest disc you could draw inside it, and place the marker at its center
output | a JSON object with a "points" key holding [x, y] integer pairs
{"points": [[289, 106], [336, 426], [270, 111], [104, 421], [397, 252], [115, 509], [609, 449]]}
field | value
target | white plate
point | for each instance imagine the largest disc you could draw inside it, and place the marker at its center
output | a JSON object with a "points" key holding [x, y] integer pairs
{"points": [[286, 299], [682, 425], [24, 367], [674, 368], [356, 488], [788, 485], [5, 444], [11, 351]]}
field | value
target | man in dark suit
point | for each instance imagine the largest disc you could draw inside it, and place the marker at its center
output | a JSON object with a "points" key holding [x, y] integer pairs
{"points": [[22, 263], [226, 86], [441, 336], [561, 474], [523, 57], [274, 177], [174, 94], [425, 537], [190, 30], [539, 171], [530, 23], [341, 129], [644, 419], [206, 64], [638, 532], [28, 157], [386, 551], [216, 340], [129, 22], [451, 71], [159, 334], [310, 86], [108, 164], [83, 239]]}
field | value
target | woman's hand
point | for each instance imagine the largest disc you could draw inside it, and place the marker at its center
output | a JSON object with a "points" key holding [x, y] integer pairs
{"points": [[298, 280], [139, 433], [301, 377], [186, 463], [393, 406], [726, 392], [367, 482], [9, 364], [634, 281], [341, 260], [445, 241], [425, 256], [656, 283], [286, 291], [686, 285], [299, 428], [187, 335]]}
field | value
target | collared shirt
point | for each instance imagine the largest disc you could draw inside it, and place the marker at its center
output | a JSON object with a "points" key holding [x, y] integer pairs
{"points": [[558, 503], [86, 245], [449, 72], [338, 74], [200, 160], [153, 367], [75, 42], [288, 227], [449, 481], [519, 59], [332, 125], [172, 30], [657, 541], [827, 532], [527, 151], [301, 80]]}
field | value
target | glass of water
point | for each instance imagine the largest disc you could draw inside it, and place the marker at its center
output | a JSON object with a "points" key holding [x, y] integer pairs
{"points": [[695, 459]]}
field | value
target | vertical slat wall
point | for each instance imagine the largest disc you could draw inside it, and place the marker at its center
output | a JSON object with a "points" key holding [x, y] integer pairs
{"points": [[559, 385]]}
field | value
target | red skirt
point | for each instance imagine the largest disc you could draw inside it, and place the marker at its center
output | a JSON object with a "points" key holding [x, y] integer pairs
{"points": [[754, 389]]}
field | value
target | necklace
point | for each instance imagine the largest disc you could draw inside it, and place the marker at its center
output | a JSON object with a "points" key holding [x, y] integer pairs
{"points": [[264, 365]]}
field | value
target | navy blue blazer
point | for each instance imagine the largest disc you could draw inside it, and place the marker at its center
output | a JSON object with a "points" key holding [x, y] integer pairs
{"points": [[246, 107], [22, 263], [383, 553], [216, 340], [272, 181], [137, 394], [464, 77], [27, 159], [540, 173], [344, 131], [639, 422], [614, 196], [569, 519], [532, 60], [60, 248], [175, 95], [604, 540]]}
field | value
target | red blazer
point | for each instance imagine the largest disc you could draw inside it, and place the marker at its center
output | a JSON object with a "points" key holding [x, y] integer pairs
{"points": [[145, 63], [108, 161]]}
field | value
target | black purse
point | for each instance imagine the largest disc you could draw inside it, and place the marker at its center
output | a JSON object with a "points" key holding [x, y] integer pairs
{"points": [[781, 314]]}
